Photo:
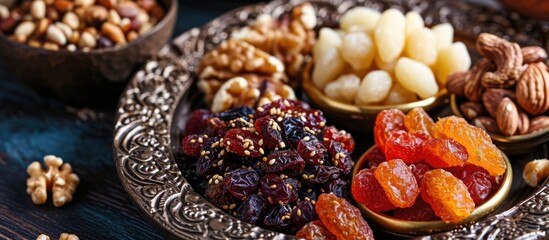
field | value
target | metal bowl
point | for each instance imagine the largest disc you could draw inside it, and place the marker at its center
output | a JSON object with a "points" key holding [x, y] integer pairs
{"points": [[360, 118], [85, 78], [518, 144], [406, 227]]}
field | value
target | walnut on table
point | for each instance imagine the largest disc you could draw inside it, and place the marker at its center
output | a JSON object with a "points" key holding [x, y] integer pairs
{"points": [[535, 171], [58, 178]]}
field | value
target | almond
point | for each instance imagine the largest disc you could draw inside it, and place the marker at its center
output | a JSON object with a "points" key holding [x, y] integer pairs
{"points": [[538, 123], [532, 89], [472, 110], [493, 96], [507, 117]]}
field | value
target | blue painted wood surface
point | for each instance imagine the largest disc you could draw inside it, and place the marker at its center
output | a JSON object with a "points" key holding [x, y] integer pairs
{"points": [[32, 126]]}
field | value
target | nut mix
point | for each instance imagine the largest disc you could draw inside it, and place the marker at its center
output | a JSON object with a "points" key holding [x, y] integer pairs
{"points": [[385, 58], [267, 165], [264, 55], [535, 171], [59, 179], [507, 91], [63, 236], [423, 170], [79, 24]]}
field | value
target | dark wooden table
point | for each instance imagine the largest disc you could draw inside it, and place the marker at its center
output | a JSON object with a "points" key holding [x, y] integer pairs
{"points": [[32, 126]]}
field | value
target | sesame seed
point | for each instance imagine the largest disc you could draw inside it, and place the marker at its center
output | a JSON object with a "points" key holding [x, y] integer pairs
{"points": [[282, 144], [304, 176], [216, 181], [251, 148], [247, 152], [229, 143], [342, 155], [336, 156], [260, 109], [210, 181], [322, 124], [325, 139], [228, 148], [200, 140], [193, 141], [260, 142], [264, 159], [335, 202], [225, 206], [303, 119], [298, 212], [309, 190], [261, 151], [240, 137], [273, 186], [286, 103], [220, 162], [272, 161], [313, 201], [281, 203], [312, 153], [270, 199], [246, 145], [232, 206], [306, 138], [279, 119], [336, 163], [307, 199], [321, 162]]}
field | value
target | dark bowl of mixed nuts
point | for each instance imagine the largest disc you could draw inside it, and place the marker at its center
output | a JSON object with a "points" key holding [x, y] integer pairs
{"points": [[82, 51]]}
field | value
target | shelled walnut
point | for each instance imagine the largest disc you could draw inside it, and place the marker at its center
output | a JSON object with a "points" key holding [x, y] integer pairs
{"points": [[58, 178], [64, 236], [510, 84], [290, 38], [535, 171]]}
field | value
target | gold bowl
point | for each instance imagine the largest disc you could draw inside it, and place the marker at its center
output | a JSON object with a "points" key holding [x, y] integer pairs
{"points": [[405, 227], [360, 118], [518, 144]]}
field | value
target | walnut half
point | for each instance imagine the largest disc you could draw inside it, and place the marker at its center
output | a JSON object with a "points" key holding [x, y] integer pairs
{"points": [[58, 178]]}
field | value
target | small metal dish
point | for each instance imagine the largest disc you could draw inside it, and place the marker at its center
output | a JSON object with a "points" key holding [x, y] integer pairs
{"points": [[518, 144], [404, 227], [359, 118]]}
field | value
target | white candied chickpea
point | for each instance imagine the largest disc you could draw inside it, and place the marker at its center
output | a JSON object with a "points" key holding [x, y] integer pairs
{"points": [[421, 46], [390, 35], [344, 88], [414, 21], [399, 94], [452, 59], [444, 34], [374, 87], [362, 18], [416, 77], [358, 50], [327, 67], [327, 38]]}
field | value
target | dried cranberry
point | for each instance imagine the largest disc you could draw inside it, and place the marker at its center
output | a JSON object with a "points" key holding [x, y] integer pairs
{"points": [[340, 157], [337, 186], [477, 180], [241, 182], [403, 145], [250, 210], [279, 218], [243, 142], [197, 122], [312, 151], [418, 170], [286, 161], [216, 127], [212, 158], [277, 190], [420, 211], [367, 190], [270, 132], [332, 134], [244, 112], [295, 131], [192, 144], [219, 196], [303, 213], [320, 174], [375, 157], [315, 120]]}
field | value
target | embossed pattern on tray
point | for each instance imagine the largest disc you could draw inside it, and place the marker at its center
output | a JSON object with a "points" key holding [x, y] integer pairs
{"points": [[143, 152]]}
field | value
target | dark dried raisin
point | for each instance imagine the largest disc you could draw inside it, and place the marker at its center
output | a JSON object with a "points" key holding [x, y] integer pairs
{"points": [[270, 131], [244, 112], [279, 218], [197, 122], [250, 210], [276, 190], [243, 142], [241, 182], [303, 213], [286, 161], [332, 134], [312, 151]]}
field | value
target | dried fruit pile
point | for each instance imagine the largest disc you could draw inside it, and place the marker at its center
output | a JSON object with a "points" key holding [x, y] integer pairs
{"points": [[421, 170], [385, 58], [267, 166], [338, 220], [508, 90]]}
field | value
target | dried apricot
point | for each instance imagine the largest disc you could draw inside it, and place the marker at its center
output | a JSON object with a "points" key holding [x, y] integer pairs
{"points": [[482, 152], [398, 182], [367, 191], [315, 230], [403, 145], [418, 120], [342, 218], [444, 152], [447, 195], [386, 122]]}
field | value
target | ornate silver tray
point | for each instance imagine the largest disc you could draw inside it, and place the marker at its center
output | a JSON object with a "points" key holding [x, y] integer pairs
{"points": [[160, 96]]}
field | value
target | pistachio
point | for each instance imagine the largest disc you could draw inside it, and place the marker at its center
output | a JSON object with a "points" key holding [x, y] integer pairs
{"points": [[114, 33], [72, 20], [38, 9], [55, 35], [25, 29], [87, 40]]}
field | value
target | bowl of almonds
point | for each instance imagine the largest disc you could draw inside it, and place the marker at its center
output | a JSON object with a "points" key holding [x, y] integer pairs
{"points": [[82, 51], [381, 60], [505, 93]]}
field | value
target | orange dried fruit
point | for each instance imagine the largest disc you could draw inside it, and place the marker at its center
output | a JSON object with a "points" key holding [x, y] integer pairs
{"points": [[315, 230], [447, 195], [444, 152], [418, 120], [398, 182], [404, 145], [341, 218], [386, 122], [482, 152]]}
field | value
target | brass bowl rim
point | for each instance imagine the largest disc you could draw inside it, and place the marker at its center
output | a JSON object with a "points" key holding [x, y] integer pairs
{"points": [[400, 226], [318, 97], [499, 137]]}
